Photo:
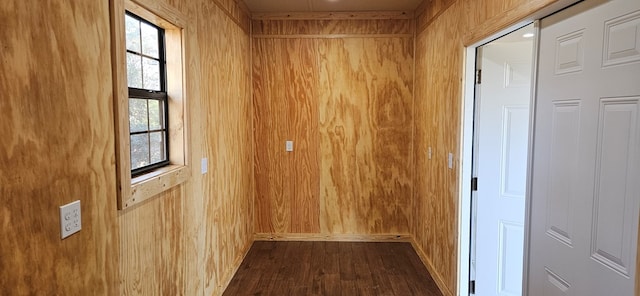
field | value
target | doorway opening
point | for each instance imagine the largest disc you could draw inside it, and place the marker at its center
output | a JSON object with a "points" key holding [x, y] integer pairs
{"points": [[503, 70]]}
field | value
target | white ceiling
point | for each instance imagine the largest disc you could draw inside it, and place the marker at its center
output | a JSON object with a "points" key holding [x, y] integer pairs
{"points": [[265, 6]]}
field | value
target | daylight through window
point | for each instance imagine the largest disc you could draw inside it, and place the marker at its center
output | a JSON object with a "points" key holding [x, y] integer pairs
{"points": [[148, 102]]}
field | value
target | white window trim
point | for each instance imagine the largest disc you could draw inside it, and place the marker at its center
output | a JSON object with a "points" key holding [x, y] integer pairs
{"points": [[133, 191]]}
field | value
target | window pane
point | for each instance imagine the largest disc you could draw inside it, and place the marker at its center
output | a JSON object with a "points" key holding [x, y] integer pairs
{"points": [[155, 115], [151, 71], [132, 28], [138, 116], [139, 151], [150, 40], [157, 147], [134, 70]]}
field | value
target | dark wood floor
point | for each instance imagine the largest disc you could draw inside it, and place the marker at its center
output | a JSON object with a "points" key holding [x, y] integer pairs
{"points": [[332, 268]]}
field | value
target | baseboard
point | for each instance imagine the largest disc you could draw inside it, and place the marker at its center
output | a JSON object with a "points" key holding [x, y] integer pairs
{"points": [[229, 276], [333, 237], [432, 270]]}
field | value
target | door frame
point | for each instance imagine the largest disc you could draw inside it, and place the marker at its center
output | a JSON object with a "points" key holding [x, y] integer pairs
{"points": [[477, 201], [467, 141]]}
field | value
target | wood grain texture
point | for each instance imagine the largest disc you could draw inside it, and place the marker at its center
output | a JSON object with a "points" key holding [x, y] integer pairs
{"points": [[366, 15], [438, 98], [227, 141], [152, 246], [429, 10], [236, 11], [348, 101], [332, 268], [437, 115], [286, 108], [191, 239], [433, 271], [331, 237], [57, 147], [195, 223], [152, 237], [329, 27], [365, 102]]}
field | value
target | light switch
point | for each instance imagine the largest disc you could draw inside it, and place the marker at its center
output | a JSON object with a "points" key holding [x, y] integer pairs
{"points": [[70, 219], [288, 146], [429, 153], [450, 160], [204, 165]]}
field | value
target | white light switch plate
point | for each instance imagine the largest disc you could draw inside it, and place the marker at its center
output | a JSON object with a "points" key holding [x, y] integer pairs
{"points": [[450, 160], [289, 146], [429, 152], [70, 219], [204, 165]]}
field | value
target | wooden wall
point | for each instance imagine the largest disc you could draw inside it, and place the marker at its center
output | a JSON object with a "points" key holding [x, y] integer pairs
{"points": [[58, 146], [227, 134], [342, 90], [444, 29], [190, 240]]}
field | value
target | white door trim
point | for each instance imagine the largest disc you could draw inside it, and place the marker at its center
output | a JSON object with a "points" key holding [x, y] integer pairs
{"points": [[532, 126], [466, 147], [466, 152], [464, 200]]}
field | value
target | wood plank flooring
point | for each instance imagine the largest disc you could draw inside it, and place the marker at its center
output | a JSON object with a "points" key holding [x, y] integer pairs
{"points": [[332, 268]]}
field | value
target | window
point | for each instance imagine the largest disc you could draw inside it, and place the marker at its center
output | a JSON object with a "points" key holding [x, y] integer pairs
{"points": [[148, 102], [151, 114]]}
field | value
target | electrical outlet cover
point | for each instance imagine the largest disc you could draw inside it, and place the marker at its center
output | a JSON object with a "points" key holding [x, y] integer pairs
{"points": [[70, 219]]}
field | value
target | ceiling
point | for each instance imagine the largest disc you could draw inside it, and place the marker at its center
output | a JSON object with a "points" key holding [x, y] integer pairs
{"points": [[275, 6]]}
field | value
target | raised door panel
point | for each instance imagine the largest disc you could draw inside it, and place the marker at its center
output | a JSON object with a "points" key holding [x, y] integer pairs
{"points": [[585, 189], [615, 205], [565, 133], [510, 258], [515, 119], [622, 40]]}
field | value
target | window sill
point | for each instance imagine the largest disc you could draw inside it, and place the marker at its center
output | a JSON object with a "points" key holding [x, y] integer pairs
{"points": [[153, 183]]}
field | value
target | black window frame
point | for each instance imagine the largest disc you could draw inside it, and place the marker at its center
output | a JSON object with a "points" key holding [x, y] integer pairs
{"points": [[147, 94]]}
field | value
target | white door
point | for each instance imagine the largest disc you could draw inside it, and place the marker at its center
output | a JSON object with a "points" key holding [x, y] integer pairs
{"points": [[501, 166], [586, 169]]}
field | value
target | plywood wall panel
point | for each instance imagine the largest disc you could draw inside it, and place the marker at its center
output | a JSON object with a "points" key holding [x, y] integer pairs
{"points": [[57, 147], [236, 11], [227, 141], [188, 241], [365, 127], [444, 29], [152, 246], [194, 221], [343, 88], [285, 102], [429, 10], [331, 28], [382, 27], [284, 27]]}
